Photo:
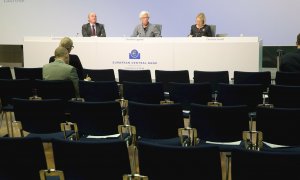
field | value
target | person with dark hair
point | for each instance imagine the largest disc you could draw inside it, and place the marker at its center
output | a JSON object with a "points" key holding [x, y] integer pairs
{"points": [[291, 61]]}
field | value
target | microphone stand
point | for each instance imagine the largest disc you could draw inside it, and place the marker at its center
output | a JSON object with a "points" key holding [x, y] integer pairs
{"points": [[279, 55]]}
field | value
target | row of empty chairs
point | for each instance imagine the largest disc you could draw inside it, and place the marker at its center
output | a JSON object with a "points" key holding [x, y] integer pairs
{"points": [[228, 94], [108, 159], [200, 93], [153, 93], [180, 76], [43, 119]]}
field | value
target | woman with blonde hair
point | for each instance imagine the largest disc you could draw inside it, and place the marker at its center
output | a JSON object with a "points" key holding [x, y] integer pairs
{"points": [[74, 61], [200, 29]]}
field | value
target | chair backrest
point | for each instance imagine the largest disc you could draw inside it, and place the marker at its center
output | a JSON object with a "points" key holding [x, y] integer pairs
{"points": [[219, 124], [5, 73], [134, 75], [96, 118], [101, 159], [28, 73], [99, 91], [241, 77], [151, 93], [166, 77], [55, 89], [248, 165], [284, 96], [100, 74], [156, 121], [241, 94], [159, 27], [20, 88], [171, 162], [213, 29], [40, 116], [279, 125], [22, 158], [185, 93], [212, 77], [287, 78]]}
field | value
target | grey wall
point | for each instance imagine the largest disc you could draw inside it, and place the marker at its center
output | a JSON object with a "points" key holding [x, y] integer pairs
{"points": [[274, 21]]}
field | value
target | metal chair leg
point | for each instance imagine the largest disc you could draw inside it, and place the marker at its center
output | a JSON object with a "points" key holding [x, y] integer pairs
{"points": [[228, 160]]}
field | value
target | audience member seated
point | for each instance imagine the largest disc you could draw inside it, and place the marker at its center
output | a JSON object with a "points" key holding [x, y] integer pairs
{"points": [[60, 69], [73, 59], [291, 61]]}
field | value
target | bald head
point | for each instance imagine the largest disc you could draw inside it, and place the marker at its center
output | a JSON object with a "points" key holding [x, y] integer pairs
{"points": [[92, 18], [62, 53]]}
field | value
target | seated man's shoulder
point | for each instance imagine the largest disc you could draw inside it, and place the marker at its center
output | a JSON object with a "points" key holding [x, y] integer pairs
{"points": [[291, 55], [67, 66], [85, 25]]}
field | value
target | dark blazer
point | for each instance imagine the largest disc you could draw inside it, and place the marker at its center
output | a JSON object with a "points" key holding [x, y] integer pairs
{"points": [[290, 62], [75, 62], [204, 31], [87, 30]]}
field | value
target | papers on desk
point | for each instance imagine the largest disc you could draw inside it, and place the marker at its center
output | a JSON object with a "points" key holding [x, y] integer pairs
{"points": [[103, 137], [236, 143], [274, 145]]}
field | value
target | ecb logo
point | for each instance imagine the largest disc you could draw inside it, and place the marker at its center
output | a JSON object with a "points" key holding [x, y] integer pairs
{"points": [[134, 54]]}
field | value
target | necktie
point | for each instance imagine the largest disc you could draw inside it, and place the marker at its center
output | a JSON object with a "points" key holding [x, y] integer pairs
{"points": [[93, 30]]}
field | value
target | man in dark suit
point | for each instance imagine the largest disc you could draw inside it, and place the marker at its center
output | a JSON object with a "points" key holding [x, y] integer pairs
{"points": [[73, 59], [291, 61], [93, 28]]}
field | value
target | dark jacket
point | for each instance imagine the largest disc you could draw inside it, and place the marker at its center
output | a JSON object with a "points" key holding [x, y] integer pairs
{"points": [[87, 30], [291, 62], [204, 31], [75, 62]]}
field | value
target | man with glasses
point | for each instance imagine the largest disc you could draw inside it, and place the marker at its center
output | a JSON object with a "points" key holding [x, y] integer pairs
{"points": [[146, 29], [74, 60]]}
